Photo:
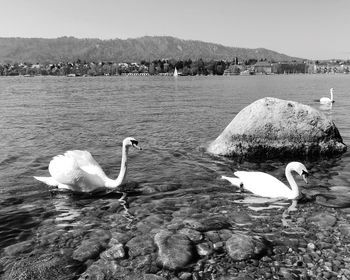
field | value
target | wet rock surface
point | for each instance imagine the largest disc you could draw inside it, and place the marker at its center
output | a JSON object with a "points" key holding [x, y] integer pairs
{"points": [[275, 128]]}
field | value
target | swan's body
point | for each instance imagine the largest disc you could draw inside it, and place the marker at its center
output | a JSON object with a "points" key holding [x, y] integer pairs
{"points": [[78, 171], [263, 184], [326, 100]]}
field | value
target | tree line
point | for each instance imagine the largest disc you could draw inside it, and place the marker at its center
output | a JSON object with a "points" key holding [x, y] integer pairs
{"points": [[80, 68], [167, 66]]}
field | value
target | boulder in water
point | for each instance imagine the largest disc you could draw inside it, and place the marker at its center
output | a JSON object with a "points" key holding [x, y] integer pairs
{"points": [[272, 128]]}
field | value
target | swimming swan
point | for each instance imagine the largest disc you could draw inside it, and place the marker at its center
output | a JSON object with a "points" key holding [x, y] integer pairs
{"points": [[78, 171], [326, 100], [263, 184]]}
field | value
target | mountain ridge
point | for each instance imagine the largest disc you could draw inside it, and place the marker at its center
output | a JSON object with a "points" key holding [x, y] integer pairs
{"points": [[45, 50]]}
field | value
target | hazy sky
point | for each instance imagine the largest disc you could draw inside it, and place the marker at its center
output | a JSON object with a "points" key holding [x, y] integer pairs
{"points": [[315, 29]]}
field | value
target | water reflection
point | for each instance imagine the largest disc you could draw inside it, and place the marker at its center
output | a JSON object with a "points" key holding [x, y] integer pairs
{"points": [[262, 203], [67, 212], [326, 108]]}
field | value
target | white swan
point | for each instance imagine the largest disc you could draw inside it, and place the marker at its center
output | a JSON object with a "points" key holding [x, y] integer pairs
{"points": [[326, 100], [263, 184], [78, 171]]}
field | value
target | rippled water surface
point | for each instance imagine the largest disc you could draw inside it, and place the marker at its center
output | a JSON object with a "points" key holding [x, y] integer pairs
{"points": [[173, 119]]}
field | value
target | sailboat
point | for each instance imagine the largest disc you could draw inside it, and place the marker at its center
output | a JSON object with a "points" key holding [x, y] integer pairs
{"points": [[175, 72]]}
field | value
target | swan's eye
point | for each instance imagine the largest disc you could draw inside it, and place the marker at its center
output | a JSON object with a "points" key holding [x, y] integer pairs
{"points": [[305, 173], [134, 142]]}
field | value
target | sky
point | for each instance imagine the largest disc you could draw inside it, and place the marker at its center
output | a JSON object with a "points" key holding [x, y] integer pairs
{"points": [[311, 29]]}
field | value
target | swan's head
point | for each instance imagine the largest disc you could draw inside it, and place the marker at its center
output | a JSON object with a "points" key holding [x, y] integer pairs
{"points": [[300, 169], [131, 142]]}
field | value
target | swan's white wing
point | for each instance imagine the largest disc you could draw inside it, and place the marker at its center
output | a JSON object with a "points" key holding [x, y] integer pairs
{"points": [[325, 100], [48, 181], [65, 170], [234, 181], [86, 162], [263, 184]]}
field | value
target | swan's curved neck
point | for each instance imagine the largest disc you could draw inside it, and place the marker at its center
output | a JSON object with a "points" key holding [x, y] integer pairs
{"points": [[113, 184], [291, 181], [331, 95]]}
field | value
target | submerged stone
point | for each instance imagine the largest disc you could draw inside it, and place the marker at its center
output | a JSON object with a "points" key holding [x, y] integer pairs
{"points": [[322, 220], [241, 247], [113, 253], [344, 228], [207, 224], [140, 246], [335, 197], [88, 249], [102, 269], [272, 128], [174, 250], [17, 248]]}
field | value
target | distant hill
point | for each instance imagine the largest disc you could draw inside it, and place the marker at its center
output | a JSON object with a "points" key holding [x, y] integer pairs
{"points": [[130, 50]]}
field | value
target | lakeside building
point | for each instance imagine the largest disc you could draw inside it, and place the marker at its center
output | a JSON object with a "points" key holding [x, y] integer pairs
{"points": [[263, 67], [330, 69], [290, 68], [234, 69]]}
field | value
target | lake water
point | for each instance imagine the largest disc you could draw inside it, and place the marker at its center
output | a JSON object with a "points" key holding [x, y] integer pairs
{"points": [[173, 120]]}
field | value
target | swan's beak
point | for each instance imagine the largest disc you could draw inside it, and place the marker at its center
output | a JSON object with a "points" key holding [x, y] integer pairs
{"points": [[137, 147], [305, 179], [305, 175]]}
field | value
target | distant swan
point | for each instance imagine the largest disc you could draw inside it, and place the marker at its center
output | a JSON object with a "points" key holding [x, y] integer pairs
{"points": [[78, 171], [265, 185], [326, 100]]}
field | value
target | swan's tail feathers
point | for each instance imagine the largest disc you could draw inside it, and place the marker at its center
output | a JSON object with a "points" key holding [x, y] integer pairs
{"points": [[234, 181], [48, 181]]}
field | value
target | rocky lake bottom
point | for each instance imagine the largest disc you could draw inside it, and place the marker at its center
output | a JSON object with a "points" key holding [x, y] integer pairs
{"points": [[197, 236]]}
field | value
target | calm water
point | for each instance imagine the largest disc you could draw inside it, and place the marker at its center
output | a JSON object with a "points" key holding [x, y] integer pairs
{"points": [[172, 119]]}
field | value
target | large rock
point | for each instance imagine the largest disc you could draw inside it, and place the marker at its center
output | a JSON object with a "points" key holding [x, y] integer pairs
{"points": [[272, 127]]}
